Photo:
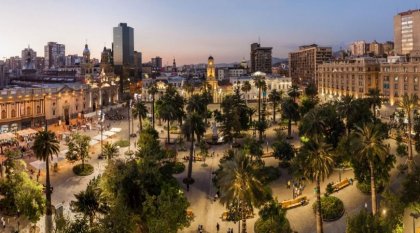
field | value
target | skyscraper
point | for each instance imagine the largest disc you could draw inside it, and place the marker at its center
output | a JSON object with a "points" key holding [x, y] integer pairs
{"points": [[55, 55], [123, 46], [28, 59], [407, 31], [260, 58]]}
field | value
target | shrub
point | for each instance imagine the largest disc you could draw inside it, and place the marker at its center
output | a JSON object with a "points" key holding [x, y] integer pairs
{"points": [[364, 187], [172, 168], [122, 143], [269, 174], [81, 170], [332, 208], [329, 189]]}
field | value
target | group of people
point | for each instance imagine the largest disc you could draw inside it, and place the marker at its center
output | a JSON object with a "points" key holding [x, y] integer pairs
{"points": [[297, 186], [201, 228]]}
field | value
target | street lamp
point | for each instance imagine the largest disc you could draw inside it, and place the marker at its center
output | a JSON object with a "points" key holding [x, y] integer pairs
{"points": [[414, 216]]}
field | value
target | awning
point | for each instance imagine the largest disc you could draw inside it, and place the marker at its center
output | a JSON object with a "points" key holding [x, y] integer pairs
{"points": [[26, 132], [98, 137], [109, 133], [7, 136], [93, 142], [116, 130], [38, 164]]}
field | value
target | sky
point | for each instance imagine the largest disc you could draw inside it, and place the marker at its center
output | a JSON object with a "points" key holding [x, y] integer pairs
{"points": [[191, 30]]}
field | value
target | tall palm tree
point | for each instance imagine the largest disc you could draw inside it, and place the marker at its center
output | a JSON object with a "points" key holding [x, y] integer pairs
{"points": [[189, 88], [195, 126], [408, 104], [290, 112], [110, 151], [139, 110], [196, 104], [293, 92], [246, 87], [239, 184], [275, 97], [369, 148], [316, 163], [260, 84], [152, 91], [345, 108], [374, 98], [166, 111], [45, 146]]}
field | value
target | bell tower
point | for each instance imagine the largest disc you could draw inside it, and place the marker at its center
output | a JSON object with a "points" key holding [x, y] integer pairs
{"points": [[211, 78]]}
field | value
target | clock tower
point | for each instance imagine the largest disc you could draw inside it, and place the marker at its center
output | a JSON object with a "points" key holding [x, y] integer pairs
{"points": [[211, 77]]}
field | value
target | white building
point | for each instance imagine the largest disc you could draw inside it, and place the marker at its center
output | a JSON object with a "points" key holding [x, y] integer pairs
{"points": [[272, 82]]}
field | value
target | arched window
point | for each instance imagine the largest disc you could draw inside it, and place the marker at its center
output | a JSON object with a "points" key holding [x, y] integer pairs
{"points": [[28, 111], [13, 113], [38, 109], [3, 114]]}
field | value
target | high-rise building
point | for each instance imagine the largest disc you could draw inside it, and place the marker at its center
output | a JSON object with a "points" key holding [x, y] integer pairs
{"points": [[28, 59], [55, 55], [261, 58], [123, 46], [157, 63], [407, 31], [376, 49], [3, 81], [359, 48], [388, 47], [303, 63], [137, 64]]}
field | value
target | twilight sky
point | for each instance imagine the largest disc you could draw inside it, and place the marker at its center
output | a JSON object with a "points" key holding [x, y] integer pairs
{"points": [[190, 30]]}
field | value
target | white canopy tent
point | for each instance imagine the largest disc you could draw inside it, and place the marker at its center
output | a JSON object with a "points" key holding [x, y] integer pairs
{"points": [[26, 132], [38, 164], [109, 133], [93, 142], [98, 137], [116, 130], [7, 136]]}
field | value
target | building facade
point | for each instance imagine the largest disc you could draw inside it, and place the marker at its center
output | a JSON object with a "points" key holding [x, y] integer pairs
{"points": [[303, 64], [407, 31], [261, 58], [273, 82], [55, 55], [123, 46]]}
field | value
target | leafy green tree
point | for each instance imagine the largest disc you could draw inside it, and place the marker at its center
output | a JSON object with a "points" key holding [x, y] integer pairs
{"points": [[374, 99], [189, 88], [408, 104], [196, 104], [315, 162], [291, 113], [45, 146], [89, 202], [139, 110], [149, 150], [78, 148], [10, 162], [282, 149], [370, 148], [152, 90], [392, 211], [272, 219], [119, 219], [253, 148], [110, 150], [307, 104], [246, 87], [240, 186], [354, 112], [411, 187], [275, 98], [311, 90], [364, 222], [167, 211]]}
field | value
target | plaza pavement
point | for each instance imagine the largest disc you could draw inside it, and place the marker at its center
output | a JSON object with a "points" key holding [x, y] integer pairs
{"points": [[206, 211]]}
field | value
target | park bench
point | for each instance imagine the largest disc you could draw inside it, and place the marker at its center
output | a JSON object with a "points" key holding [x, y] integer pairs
{"points": [[288, 204], [190, 213], [342, 184], [198, 158], [267, 155], [225, 216]]}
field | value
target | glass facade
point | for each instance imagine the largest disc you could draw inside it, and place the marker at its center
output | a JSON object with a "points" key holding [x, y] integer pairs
{"points": [[123, 46]]}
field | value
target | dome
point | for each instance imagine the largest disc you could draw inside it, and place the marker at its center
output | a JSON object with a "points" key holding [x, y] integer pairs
{"points": [[211, 58], [86, 50]]}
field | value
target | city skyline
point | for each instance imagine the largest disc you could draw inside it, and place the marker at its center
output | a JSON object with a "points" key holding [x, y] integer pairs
{"points": [[189, 31]]}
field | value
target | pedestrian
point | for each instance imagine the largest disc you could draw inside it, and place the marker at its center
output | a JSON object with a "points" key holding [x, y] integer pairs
{"points": [[217, 227], [288, 184]]}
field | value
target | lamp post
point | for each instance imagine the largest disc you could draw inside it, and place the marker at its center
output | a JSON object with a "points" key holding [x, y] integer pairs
{"points": [[102, 118], [414, 216]]}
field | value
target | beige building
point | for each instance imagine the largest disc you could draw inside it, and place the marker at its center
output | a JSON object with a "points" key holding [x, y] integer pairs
{"points": [[349, 77], [303, 64], [22, 108], [407, 31], [261, 58]]}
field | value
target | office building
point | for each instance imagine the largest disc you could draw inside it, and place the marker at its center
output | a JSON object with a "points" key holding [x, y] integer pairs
{"points": [[28, 59], [123, 46], [55, 55], [407, 31], [157, 63], [303, 63], [359, 48], [261, 58]]}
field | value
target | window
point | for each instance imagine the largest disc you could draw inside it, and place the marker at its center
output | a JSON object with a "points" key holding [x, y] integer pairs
{"points": [[28, 111], [13, 113], [38, 109], [53, 112], [3, 114]]}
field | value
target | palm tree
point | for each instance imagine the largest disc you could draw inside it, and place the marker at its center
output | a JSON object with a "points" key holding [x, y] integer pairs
{"points": [[345, 108], [290, 112], [369, 148], [260, 84], [152, 91], [189, 88], [293, 92], [196, 104], [78, 148], [89, 202], [239, 185], [246, 86], [45, 146], [408, 104], [374, 98], [110, 151], [316, 162], [166, 111], [139, 110], [275, 98], [195, 126]]}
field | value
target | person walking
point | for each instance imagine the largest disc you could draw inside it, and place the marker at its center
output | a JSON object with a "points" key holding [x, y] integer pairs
{"points": [[217, 227], [288, 184]]}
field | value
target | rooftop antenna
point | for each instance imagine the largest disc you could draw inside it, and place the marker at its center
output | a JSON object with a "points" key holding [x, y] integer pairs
{"points": [[259, 40]]}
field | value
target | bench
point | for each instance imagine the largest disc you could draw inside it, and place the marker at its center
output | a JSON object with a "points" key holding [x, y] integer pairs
{"points": [[198, 158], [340, 185], [225, 216], [267, 155], [190, 213], [288, 204]]}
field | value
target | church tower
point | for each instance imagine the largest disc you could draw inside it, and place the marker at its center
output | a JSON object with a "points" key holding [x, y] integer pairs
{"points": [[86, 65], [211, 77]]}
